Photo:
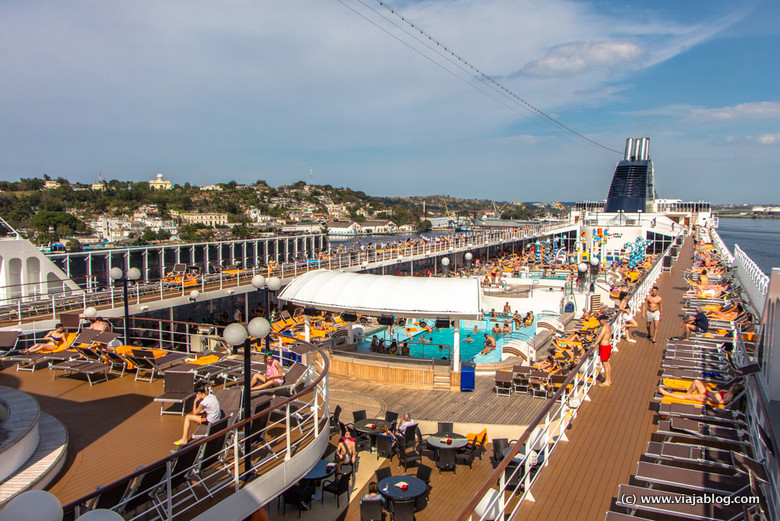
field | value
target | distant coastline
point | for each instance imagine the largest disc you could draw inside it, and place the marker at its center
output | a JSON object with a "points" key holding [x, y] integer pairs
{"points": [[743, 216]]}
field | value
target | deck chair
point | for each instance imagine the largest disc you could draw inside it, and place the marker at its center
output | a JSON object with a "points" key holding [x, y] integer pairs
{"points": [[384, 446], [209, 466], [257, 428], [701, 413], [391, 417], [502, 382], [358, 415], [446, 459], [520, 375], [499, 444], [538, 383], [111, 497], [668, 504], [686, 428], [382, 473], [444, 428], [334, 419], [83, 366], [178, 389], [690, 454], [187, 456], [371, 510], [146, 362], [145, 487], [336, 486], [406, 454], [403, 510], [117, 362], [700, 481], [230, 405]]}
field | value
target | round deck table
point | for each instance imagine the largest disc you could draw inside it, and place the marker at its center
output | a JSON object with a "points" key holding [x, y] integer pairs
{"points": [[439, 441], [365, 426], [321, 470], [416, 487]]}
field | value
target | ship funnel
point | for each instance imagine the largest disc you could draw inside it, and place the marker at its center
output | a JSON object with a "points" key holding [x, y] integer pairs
{"points": [[629, 148]]}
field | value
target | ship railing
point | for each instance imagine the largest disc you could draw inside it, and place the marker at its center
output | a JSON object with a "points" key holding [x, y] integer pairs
{"points": [[516, 473], [39, 299], [754, 281], [291, 425], [721, 247], [762, 436]]}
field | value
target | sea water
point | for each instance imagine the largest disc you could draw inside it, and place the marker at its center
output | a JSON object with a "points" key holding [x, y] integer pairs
{"points": [[759, 238]]}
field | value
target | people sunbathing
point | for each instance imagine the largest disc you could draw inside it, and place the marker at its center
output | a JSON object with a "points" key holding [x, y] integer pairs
{"points": [[698, 392], [273, 377], [51, 341]]}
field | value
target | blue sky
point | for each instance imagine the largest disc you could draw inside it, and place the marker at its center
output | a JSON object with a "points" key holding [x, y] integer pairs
{"points": [[215, 91]]}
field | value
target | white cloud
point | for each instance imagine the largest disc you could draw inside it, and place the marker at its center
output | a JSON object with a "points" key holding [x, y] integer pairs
{"points": [[576, 57], [765, 139], [743, 111]]}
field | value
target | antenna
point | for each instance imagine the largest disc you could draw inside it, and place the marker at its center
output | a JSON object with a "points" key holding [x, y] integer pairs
{"points": [[311, 174]]}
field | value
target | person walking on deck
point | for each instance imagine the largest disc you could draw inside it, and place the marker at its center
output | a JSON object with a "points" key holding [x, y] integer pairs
{"points": [[604, 340], [652, 311]]}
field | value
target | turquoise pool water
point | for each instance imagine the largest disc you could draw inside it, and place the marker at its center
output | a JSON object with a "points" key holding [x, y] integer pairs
{"points": [[439, 343]]}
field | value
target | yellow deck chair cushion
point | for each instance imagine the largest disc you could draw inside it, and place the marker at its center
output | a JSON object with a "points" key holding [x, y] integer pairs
{"points": [[675, 383], [472, 438], [672, 399]]}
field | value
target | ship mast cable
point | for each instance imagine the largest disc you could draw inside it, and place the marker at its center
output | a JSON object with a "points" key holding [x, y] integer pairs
{"points": [[467, 66], [497, 100]]}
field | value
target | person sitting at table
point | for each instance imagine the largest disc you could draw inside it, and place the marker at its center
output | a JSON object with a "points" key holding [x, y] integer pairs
{"points": [[205, 409], [373, 493], [51, 341], [345, 453], [406, 422], [273, 377]]}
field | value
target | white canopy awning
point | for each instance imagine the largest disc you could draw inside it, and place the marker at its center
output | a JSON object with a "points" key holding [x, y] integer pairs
{"points": [[412, 297]]}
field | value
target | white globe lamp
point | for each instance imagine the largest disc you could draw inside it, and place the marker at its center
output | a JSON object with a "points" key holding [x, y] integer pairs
{"points": [[33, 505], [234, 334], [259, 327]]}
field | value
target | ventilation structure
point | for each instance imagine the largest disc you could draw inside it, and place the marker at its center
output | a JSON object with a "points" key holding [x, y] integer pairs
{"points": [[633, 183]]}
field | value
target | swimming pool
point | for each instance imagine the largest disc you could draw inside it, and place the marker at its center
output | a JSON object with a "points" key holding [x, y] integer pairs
{"points": [[438, 344]]}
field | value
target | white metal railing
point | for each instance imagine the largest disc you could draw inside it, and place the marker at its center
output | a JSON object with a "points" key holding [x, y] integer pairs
{"points": [[754, 281], [721, 247], [221, 466], [522, 465], [28, 301]]}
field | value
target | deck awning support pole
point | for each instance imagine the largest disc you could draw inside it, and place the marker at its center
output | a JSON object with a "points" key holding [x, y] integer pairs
{"points": [[456, 347], [307, 328], [350, 336]]}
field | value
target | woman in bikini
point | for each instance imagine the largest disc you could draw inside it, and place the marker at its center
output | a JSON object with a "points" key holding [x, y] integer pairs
{"points": [[698, 392], [51, 341], [273, 377]]}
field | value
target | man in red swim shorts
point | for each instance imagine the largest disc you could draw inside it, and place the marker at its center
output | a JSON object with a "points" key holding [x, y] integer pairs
{"points": [[604, 340]]}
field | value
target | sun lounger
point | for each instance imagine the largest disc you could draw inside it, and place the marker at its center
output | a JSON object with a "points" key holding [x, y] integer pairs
{"points": [[85, 367], [179, 388], [673, 506], [700, 481], [294, 379], [701, 412], [503, 383], [145, 361], [690, 454], [687, 428]]}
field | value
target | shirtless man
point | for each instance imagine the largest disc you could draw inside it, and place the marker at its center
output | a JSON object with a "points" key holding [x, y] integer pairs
{"points": [[605, 349], [490, 344], [651, 309]]}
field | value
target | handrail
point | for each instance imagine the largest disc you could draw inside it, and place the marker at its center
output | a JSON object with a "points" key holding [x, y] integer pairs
{"points": [[198, 444], [497, 474]]}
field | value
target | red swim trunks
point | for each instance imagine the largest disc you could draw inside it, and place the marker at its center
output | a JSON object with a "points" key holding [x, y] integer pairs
{"points": [[604, 352]]}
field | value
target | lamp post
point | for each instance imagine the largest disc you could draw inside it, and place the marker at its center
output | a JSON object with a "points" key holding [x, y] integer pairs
{"points": [[594, 271], [118, 275], [468, 258], [234, 335], [445, 262], [272, 284]]}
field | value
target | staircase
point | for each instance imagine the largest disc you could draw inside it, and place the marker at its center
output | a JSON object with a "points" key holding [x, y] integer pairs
{"points": [[33, 448], [441, 378]]}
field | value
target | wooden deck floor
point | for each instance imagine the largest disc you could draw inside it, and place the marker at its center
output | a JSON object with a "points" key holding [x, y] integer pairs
{"points": [[113, 426], [481, 406], [612, 431]]}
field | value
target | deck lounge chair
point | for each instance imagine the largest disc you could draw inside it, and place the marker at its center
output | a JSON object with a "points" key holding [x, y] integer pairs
{"points": [[672, 506], [179, 388], [687, 428], [700, 481], [294, 379], [701, 413], [520, 374], [146, 362], [692, 454], [503, 383]]}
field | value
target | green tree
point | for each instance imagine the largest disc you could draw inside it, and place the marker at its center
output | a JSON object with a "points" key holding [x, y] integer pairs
{"points": [[46, 219], [74, 245], [423, 226], [241, 231]]}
